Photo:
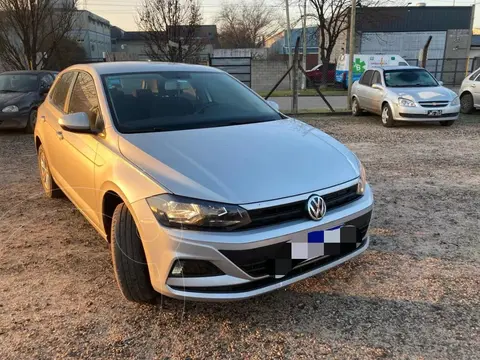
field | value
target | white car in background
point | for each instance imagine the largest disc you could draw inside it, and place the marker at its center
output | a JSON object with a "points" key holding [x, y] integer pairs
{"points": [[404, 93], [470, 93]]}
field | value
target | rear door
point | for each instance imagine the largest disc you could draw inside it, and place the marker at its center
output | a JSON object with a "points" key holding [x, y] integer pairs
{"points": [[377, 95], [363, 92]]}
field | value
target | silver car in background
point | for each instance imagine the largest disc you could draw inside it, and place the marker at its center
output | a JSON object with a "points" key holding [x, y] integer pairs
{"points": [[404, 93], [470, 93]]}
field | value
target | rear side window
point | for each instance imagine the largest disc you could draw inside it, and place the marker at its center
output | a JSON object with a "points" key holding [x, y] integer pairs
{"points": [[60, 91], [84, 97], [366, 78]]}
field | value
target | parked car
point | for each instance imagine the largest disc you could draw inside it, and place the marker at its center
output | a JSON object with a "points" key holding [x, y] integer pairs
{"points": [[403, 93], [362, 62], [316, 73], [21, 93], [204, 190], [470, 93]]}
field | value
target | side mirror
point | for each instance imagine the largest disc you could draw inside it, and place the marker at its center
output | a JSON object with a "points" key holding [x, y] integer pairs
{"points": [[273, 104], [440, 83], [76, 122], [377, 86]]}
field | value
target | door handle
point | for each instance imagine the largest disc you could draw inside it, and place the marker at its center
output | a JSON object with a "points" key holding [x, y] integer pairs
{"points": [[60, 135], [43, 118]]}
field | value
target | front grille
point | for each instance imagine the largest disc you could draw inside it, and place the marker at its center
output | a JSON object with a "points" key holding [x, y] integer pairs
{"points": [[425, 116], [294, 211], [261, 283], [433, 104], [255, 262]]}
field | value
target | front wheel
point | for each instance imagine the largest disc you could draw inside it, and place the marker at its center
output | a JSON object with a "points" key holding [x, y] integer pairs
{"points": [[387, 117], [129, 262], [447, 122]]}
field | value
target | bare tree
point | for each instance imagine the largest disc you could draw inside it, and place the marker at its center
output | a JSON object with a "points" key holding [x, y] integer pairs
{"points": [[171, 29], [247, 24], [31, 30]]}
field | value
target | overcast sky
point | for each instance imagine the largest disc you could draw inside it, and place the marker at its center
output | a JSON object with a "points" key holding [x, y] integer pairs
{"points": [[122, 13]]}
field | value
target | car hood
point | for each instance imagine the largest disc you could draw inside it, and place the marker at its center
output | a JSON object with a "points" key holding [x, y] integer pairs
{"points": [[244, 163], [20, 99], [437, 93]]}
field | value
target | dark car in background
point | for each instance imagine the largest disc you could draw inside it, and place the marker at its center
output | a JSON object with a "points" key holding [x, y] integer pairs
{"points": [[21, 93], [315, 74]]}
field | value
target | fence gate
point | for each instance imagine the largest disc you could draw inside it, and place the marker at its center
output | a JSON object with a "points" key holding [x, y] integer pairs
{"points": [[239, 67], [450, 71]]}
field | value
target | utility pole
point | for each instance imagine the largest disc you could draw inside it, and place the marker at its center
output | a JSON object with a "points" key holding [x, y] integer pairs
{"points": [[289, 46], [304, 51], [351, 51]]}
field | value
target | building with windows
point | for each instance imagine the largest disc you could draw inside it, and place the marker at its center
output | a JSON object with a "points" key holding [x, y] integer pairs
{"points": [[92, 32]]}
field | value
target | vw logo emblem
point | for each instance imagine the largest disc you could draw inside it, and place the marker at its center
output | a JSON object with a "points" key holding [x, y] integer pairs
{"points": [[316, 207]]}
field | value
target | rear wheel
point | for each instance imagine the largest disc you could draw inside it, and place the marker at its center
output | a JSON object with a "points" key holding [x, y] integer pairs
{"points": [[129, 262], [387, 117], [447, 122], [356, 110], [466, 104], [49, 186], [32, 120]]}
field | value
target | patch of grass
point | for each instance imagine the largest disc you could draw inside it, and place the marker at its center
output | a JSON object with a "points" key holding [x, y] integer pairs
{"points": [[317, 111], [307, 92]]}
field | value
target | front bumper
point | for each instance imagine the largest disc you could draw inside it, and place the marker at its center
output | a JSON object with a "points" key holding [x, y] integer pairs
{"points": [[420, 113], [16, 120], [164, 245]]}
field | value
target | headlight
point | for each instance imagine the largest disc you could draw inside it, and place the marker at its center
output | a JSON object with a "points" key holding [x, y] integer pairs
{"points": [[455, 101], [10, 109], [406, 102], [186, 213], [362, 182]]}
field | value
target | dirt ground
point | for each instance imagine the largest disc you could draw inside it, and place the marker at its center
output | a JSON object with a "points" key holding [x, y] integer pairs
{"points": [[415, 294]]}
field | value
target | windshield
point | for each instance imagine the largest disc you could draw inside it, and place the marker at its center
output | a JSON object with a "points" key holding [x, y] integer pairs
{"points": [[409, 78], [163, 101], [18, 83]]}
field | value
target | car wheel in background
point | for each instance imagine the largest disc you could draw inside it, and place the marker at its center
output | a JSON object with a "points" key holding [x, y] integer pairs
{"points": [[466, 103], [356, 110], [32, 120], [49, 186], [129, 262], [387, 118], [447, 122]]}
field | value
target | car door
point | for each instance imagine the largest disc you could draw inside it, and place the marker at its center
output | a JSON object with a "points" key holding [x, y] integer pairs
{"points": [[474, 87], [377, 94], [364, 90], [53, 108], [78, 150]]}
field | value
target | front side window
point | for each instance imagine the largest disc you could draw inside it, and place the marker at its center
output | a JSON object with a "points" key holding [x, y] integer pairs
{"points": [[164, 101], [409, 78], [18, 82], [46, 81], [376, 78], [84, 97], [60, 91]]}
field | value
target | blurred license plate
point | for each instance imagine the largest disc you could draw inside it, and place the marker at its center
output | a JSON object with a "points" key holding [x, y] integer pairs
{"points": [[434, 112]]}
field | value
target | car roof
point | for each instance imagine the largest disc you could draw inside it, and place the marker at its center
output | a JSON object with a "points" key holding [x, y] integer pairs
{"points": [[119, 67], [403, 67], [31, 72]]}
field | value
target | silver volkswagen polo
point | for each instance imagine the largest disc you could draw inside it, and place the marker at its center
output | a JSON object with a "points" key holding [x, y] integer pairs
{"points": [[204, 190], [404, 93]]}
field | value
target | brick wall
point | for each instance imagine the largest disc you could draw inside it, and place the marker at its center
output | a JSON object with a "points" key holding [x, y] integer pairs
{"points": [[266, 73]]}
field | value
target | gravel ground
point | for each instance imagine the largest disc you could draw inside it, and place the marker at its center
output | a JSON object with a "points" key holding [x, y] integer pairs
{"points": [[415, 294]]}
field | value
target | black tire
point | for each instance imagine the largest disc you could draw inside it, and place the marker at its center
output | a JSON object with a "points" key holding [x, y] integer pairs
{"points": [[447, 122], [356, 110], [466, 103], [387, 117], [48, 183], [32, 120], [129, 262]]}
